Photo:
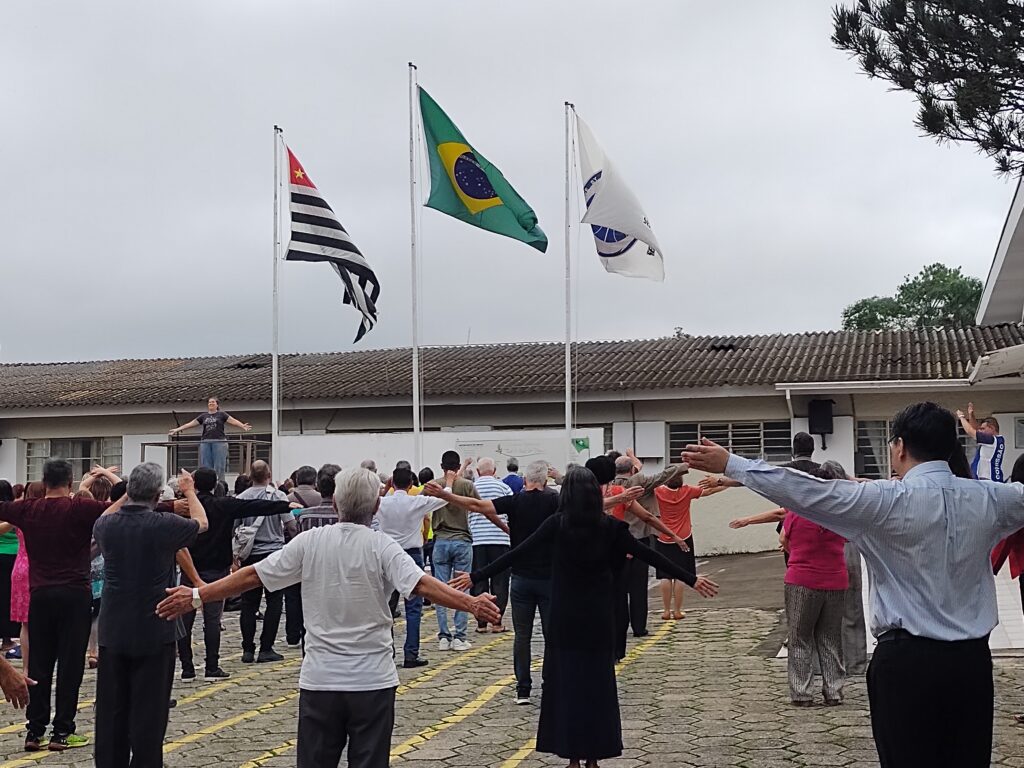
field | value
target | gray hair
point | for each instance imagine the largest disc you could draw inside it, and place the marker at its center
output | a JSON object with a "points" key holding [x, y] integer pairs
{"points": [[486, 466], [832, 470], [623, 465], [356, 495], [536, 473], [146, 482], [369, 464]]}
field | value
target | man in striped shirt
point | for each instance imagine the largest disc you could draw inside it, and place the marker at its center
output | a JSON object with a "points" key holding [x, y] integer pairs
{"points": [[325, 513], [489, 541]]}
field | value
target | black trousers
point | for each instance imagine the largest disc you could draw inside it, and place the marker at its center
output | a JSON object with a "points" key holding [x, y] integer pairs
{"points": [[484, 555], [271, 617], [58, 633], [931, 703], [212, 615], [294, 629], [8, 628], [133, 696], [631, 601], [328, 720]]}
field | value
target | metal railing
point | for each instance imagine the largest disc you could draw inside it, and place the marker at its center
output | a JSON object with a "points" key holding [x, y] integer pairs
{"points": [[184, 454]]}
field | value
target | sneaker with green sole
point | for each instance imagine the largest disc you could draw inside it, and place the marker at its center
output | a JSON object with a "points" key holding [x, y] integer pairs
{"points": [[71, 741]]}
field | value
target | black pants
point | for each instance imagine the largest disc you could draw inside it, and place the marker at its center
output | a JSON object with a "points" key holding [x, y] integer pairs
{"points": [[931, 703], [631, 601], [8, 628], [294, 630], [328, 720], [58, 633], [271, 617], [212, 615], [132, 703], [484, 555], [528, 596]]}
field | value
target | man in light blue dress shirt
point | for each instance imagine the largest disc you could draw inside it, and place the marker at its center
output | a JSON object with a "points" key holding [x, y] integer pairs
{"points": [[926, 537]]}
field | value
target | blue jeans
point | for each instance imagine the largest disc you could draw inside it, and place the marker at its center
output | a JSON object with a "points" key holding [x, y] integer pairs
{"points": [[413, 611], [528, 595], [214, 454], [449, 556]]}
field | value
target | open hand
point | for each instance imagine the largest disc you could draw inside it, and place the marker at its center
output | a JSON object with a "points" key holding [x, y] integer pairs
{"points": [[485, 609], [682, 544], [705, 587], [633, 493], [708, 457], [741, 523], [247, 427], [186, 484], [460, 581], [15, 686], [432, 489], [709, 482], [177, 603]]}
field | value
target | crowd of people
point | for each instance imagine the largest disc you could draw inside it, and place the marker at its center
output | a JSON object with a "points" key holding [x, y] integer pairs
{"points": [[110, 573]]}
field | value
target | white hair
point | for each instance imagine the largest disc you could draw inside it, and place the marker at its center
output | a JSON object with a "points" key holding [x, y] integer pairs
{"points": [[356, 495], [369, 464], [536, 473], [486, 466]]}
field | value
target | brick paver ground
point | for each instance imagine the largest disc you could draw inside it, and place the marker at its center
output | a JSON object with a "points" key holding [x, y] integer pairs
{"points": [[703, 691]]}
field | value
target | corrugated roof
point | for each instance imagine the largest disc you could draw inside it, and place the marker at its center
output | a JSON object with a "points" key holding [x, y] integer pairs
{"points": [[506, 369]]}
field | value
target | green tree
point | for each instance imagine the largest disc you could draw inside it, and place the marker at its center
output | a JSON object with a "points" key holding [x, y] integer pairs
{"points": [[962, 59], [937, 297]]}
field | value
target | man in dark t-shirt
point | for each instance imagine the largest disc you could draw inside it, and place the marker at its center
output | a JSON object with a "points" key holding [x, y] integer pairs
{"points": [[531, 576], [137, 648], [213, 446]]}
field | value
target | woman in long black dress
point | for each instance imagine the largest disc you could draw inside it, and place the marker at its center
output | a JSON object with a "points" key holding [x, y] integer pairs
{"points": [[579, 711]]}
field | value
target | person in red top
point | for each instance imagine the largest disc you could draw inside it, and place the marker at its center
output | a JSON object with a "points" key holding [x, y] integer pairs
{"points": [[815, 588], [674, 498]]}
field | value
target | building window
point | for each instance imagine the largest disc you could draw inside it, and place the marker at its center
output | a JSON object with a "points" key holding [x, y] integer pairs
{"points": [[1018, 431], [83, 452], [768, 440], [873, 448]]}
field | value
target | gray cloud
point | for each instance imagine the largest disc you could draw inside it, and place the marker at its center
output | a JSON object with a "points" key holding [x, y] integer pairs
{"points": [[137, 205]]}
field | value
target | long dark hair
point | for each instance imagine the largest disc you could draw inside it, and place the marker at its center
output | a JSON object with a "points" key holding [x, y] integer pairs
{"points": [[6, 491], [581, 500]]}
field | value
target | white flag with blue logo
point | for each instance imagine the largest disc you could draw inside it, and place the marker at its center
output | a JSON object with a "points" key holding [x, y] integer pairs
{"points": [[625, 241]]}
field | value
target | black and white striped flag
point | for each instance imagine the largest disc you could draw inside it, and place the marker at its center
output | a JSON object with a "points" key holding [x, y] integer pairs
{"points": [[317, 235]]}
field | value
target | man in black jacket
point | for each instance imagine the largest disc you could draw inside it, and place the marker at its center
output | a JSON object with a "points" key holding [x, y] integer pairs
{"points": [[211, 554]]}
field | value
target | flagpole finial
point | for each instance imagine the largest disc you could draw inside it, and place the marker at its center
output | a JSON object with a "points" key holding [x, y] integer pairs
{"points": [[278, 128], [412, 66]]}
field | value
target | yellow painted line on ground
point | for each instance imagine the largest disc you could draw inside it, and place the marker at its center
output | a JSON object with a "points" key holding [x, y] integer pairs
{"points": [[34, 757], [531, 744], [416, 682], [463, 712], [220, 725]]}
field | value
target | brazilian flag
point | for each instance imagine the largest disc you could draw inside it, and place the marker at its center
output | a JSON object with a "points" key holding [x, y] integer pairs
{"points": [[465, 185]]}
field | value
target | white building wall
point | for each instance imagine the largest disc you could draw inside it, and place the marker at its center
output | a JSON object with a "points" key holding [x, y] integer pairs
{"points": [[841, 444], [131, 451], [9, 460]]}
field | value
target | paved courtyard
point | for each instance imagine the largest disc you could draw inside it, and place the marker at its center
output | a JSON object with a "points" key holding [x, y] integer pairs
{"points": [[704, 691]]}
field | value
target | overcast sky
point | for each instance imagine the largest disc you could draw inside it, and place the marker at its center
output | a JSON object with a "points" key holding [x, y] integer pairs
{"points": [[138, 174]]}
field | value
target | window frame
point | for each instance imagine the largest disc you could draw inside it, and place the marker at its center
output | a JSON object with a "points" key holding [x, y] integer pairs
{"points": [[770, 440]]}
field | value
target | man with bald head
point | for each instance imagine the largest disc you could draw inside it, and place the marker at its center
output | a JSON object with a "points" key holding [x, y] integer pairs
{"points": [[270, 538], [489, 541]]}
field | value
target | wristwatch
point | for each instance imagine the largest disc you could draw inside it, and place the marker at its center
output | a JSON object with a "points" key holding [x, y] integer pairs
{"points": [[197, 601]]}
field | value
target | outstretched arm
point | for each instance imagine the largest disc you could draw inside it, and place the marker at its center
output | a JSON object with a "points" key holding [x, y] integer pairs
{"points": [[179, 599], [439, 593], [773, 516], [968, 423], [703, 585], [657, 525], [183, 427], [542, 537], [241, 424], [629, 494], [485, 508]]}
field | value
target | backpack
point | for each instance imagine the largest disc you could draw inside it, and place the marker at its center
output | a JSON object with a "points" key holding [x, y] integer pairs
{"points": [[244, 536]]}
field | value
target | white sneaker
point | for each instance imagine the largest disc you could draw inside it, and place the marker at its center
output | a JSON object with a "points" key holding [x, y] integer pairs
{"points": [[458, 644], [444, 644], [520, 699]]}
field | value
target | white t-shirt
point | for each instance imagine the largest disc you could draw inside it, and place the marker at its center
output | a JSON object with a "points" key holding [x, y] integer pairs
{"points": [[348, 572], [401, 517]]}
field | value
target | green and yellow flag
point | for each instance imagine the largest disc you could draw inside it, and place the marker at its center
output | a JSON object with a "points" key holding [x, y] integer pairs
{"points": [[465, 185]]}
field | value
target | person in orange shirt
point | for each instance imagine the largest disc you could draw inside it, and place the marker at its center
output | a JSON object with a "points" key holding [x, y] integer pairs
{"points": [[674, 498]]}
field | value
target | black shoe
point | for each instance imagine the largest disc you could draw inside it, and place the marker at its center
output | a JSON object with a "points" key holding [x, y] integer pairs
{"points": [[294, 643], [645, 633], [216, 674], [172, 703], [412, 663], [34, 743], [188, 675], [248, 657], [270, 655], [259, 616]]}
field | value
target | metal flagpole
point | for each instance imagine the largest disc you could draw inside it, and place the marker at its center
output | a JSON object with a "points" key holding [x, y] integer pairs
{"points": [[417, 450], [275, 393], [568, 285]]}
